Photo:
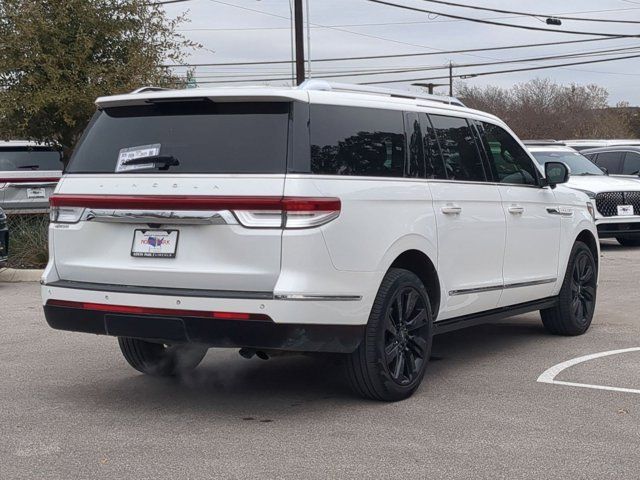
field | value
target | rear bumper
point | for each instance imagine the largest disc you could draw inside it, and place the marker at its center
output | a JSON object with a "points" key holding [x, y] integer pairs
{"points": [[294, 324], [212, 332]]}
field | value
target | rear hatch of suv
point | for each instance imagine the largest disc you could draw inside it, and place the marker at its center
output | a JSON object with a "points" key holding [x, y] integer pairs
{"points": [[176, 193], [28, 175]]}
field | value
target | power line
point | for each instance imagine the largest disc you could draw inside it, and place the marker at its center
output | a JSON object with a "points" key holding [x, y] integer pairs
{"points": [[430, 68], [165, 2], [528, 14], [500, 24], [397, 55], [384, 24], [495, 72]]}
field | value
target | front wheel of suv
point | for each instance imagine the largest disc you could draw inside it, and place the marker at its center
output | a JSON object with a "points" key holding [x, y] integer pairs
{"points": [[629, 241], [577, 299], [390, 362], [159, 359]]}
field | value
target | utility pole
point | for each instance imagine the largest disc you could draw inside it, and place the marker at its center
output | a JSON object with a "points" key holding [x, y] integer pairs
{"points": [[450, 79], [299, 36]]}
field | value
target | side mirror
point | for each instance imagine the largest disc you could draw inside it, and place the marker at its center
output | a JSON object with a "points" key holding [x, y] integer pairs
{"points": [[556, 173], [604, 170]]}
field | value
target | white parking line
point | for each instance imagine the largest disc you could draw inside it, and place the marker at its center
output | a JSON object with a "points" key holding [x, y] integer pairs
{"points": [[548, 376]]}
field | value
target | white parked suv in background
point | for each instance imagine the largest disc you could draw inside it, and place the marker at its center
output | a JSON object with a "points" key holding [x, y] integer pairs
{"points": [[29, 172], [325, 218], [615, 200]]}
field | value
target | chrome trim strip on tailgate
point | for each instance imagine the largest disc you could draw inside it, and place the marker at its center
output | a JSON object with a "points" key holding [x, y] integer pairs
{"points": [[33, 184], [179, 217]]}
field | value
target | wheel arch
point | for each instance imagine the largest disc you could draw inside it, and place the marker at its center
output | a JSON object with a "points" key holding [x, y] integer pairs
{"points": [[587, 237], [421, 265]]}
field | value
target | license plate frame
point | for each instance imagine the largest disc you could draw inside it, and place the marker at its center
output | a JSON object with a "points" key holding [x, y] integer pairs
{"points": [[154, 243], [36, 192], [625, 210]]}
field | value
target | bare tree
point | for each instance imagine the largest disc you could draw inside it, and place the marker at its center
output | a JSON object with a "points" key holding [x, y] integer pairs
{"points": [[541, 108]]}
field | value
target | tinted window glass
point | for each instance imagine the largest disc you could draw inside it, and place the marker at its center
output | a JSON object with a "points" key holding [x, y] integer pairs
{"points": [[508, 161], [631, 163], [462, 159], [29, 158], [433, 157], [416, 164], [578, 164], [357, 141], [611, 161], [203, 136]]}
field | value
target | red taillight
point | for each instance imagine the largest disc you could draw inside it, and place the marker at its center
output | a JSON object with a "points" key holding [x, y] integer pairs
{"points": [[127, 309], [166, 202], [253, 212], [311, 204]]}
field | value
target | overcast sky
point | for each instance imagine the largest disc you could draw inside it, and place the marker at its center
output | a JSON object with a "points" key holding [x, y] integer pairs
{"points": [[259, 30]]}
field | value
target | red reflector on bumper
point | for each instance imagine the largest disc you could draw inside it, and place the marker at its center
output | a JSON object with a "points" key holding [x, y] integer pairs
{"points": [[127, 309]]}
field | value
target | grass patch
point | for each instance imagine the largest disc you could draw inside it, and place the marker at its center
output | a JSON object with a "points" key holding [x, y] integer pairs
{"points": [[28, 241]]}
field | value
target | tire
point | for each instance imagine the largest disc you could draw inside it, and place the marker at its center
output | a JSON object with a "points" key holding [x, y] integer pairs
{"points": [[629, 241], [158, 359], [390, 362], [577, 298]]}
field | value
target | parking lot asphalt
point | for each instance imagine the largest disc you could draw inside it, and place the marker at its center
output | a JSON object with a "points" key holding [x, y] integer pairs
{"points": [[70, 407]]}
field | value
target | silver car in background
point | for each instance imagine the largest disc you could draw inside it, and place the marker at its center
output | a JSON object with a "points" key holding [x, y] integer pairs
{"points": [[29, 172]]}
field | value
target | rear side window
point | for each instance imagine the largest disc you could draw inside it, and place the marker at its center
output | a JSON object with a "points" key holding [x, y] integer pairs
{"points": [[631, 163], [21, 159], [416, 167], [357, 141], [433, 158], [611, 161], [202, 135], [508, 161], [462, 160]]}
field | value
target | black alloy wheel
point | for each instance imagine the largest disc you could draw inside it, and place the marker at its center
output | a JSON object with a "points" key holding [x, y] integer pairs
{"points": [[577, 298], [583, 288], [390, 362], [405, 346]]}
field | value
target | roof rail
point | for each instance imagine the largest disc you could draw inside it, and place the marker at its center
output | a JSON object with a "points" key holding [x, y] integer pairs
{"points": [[149, 88], [543, 142], [323, 85]]}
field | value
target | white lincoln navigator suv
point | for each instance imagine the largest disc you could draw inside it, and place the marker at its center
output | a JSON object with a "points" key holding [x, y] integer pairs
{"points": [[324, 218]]}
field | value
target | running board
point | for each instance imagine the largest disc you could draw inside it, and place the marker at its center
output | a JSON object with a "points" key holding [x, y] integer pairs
{"points": [[451, 324]]}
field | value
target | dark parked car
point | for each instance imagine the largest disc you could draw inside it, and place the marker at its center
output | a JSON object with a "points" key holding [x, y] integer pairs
{"points": [[618, 160], [4, 239]]}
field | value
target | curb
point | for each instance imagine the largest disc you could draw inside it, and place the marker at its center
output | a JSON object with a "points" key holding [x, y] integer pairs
{"points": [[17, 275]]}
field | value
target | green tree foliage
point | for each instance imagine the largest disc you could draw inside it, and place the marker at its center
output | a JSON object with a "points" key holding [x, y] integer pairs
{"points": [[57, 56], [541, 109]]}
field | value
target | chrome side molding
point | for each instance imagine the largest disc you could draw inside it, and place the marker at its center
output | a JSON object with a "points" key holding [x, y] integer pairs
{"points": [[323, 298], [505, 286]]}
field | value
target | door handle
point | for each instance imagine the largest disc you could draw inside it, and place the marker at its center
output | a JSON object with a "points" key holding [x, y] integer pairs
{"points": [[451, 209], [516, 209]]}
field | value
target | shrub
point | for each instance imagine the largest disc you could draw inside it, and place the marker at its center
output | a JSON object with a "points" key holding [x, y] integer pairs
{"points": [[28, 240]]}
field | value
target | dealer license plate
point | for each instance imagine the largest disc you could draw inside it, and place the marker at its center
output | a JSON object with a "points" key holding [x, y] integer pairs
{"points": [[625, 210], [155, 243], [35, 193]]}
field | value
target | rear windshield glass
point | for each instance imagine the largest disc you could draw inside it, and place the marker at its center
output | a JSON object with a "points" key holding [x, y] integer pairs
{"points": [[186, 137], [28, 158]]}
